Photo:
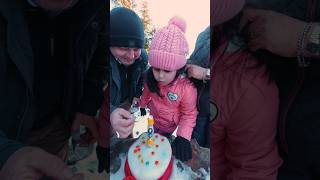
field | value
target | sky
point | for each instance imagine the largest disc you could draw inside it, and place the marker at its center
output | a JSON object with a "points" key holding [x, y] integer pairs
{"points": [[196, 13]]}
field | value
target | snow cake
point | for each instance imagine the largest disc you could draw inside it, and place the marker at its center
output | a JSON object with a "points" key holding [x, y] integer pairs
{"points": [[150, 156], [149, 159]]}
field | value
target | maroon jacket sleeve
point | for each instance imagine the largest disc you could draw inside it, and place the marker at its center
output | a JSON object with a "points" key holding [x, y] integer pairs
{"points": [[104, 121], [251, 147], [243, 135]]}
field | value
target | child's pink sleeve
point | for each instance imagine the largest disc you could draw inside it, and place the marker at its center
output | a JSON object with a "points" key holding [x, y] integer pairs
{"points": [[188, 111]]}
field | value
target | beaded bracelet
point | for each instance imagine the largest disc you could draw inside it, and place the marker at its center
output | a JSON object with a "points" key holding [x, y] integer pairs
{"points": [[301, 45]]}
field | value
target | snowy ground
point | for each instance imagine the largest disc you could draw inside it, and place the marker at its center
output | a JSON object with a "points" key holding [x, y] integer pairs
{"points": [[88, 165]]}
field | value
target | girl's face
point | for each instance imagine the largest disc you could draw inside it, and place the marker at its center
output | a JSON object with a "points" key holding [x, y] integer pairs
{"points": [[164, 77]]}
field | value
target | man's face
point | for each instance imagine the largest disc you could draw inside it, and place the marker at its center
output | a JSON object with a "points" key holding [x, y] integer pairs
{"points": [[54, 5], [126, 55], [163, 77]]}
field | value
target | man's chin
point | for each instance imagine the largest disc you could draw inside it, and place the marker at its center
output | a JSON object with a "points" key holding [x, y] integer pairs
{"points": [[127, 63]]}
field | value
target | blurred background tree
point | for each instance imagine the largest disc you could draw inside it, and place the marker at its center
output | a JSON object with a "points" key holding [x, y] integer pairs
{"points": [[149, 29]]}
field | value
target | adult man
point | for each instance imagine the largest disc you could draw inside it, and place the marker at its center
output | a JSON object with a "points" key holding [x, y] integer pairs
{"points": [[127, 63], [294, 53], [52, 61], [126, 82]]}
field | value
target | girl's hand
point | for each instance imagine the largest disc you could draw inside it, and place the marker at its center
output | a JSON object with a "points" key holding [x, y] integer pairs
{"points": [[183, 150]]}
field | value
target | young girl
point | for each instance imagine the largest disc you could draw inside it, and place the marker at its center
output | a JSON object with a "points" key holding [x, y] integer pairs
{"points": [[170, 96]]}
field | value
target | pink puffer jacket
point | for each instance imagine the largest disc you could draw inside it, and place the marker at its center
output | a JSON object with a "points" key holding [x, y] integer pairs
{"points": [[180, 111]]}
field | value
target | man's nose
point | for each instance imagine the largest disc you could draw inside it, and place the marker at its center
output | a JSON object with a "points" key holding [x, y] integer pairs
{"points": [[130, 54]]}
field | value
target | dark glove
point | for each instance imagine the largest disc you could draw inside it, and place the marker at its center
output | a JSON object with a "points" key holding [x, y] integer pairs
{"points": [[103, 158], [183, 149]]}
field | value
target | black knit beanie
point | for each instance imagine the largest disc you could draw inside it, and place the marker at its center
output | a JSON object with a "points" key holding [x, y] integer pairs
{"points": [[126, 28]]}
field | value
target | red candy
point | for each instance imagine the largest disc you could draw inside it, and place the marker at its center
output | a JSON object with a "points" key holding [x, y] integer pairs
{"points": [[157, 145], [152, 153], [157, 162]]}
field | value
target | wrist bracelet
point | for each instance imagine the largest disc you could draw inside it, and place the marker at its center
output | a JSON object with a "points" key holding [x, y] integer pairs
{"points": [[206, 75], [301, 46]]}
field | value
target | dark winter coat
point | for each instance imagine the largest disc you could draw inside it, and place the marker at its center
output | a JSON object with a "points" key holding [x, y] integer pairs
{"points": [[86, 69]]}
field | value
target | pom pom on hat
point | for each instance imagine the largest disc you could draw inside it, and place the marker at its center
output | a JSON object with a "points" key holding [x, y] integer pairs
{"points": [[179, 22]]}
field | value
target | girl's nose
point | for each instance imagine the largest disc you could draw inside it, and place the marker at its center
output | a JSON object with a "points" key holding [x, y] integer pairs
{"points": [[161, 74]]}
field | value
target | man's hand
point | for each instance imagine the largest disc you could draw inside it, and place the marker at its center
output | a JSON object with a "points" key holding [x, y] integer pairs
{"points": [[30, 163], [271, 31], [122, 122], [87, 121], [195, 71]]}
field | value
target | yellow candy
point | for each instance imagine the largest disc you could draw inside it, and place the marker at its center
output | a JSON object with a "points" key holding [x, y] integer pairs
{"points": [[150, 142], [150, 121]]}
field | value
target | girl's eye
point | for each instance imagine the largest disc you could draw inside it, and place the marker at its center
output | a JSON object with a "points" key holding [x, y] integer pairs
{"points": [[156, 69], [167, 71]]}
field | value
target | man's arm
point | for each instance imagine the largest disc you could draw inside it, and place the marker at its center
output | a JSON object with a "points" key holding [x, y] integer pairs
{"points": [[18, 161], [7, 148]]}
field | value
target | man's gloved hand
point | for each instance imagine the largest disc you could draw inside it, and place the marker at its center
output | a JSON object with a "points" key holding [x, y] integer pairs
{"points": [[103, 158], [183, 149]]}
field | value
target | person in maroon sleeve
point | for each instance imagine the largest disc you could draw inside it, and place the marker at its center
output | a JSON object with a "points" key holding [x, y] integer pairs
{"points": [[243, 144], [102, 149], [287, 33]]}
